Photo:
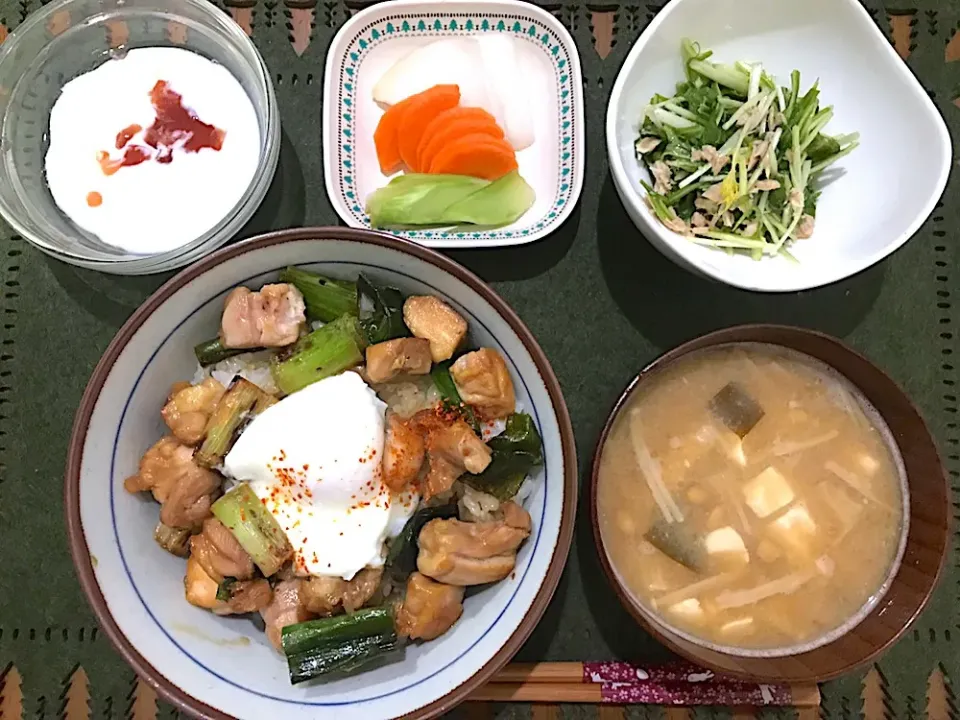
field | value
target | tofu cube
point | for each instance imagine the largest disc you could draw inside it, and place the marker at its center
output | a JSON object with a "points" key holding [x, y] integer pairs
{"points": [[767, 493], [868, 462], [689, 610], [795, 530], [727, 542]]}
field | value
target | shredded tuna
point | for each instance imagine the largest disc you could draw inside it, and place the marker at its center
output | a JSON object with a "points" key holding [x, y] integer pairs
{"points": [[713, 194], [795, 198], [764, 185], [805, 227], [698, 220], [645, 145], [758, 153], [677, 224], [663, 181], [708, 153], [708, 206]]}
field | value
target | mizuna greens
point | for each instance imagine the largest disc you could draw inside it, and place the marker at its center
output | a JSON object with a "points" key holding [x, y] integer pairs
{"points": [[737, 160]]}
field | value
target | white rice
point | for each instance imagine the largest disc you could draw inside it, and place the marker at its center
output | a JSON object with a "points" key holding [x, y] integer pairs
{"points": [[409, 396], [475, 505], [252, 366]]}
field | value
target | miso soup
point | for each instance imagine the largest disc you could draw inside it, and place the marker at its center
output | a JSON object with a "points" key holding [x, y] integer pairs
{"points": [[752, 499]]}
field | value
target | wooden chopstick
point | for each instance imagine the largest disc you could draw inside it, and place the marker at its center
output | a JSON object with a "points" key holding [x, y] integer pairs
{"points": [[678, 684], [539, 692]]}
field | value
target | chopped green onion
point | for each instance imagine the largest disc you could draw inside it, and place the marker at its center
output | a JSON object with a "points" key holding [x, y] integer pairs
{"points": [[232, 409], [338, 644], [312, 634], [326, 299], [327, 351], [210, 352], [254, 527]]}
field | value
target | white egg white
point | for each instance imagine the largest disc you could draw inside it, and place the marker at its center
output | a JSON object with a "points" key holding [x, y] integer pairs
{"points": [[314, 460]]}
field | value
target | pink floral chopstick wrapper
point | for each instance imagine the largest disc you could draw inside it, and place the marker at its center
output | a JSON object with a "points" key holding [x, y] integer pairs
{"points": [[678, 684]]}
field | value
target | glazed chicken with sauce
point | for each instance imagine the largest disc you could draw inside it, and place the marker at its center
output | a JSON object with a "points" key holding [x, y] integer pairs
{"points": [[387, 360], [245, 596], [429, 608], [365, 468], [484, 382], [464, 553], [189, 408], [327, 596], [184, 490], [452, 449], [219, 553], [286, 607], [403, 453], [271, 317], [431, 318]]}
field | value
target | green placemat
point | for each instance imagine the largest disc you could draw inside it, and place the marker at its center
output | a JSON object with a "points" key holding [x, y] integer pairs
{"points": [[595, 289]]}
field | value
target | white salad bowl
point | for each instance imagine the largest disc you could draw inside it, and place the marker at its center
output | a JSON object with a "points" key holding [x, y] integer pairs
{"points": [[873, 200], [378, 36], [224, 667]]}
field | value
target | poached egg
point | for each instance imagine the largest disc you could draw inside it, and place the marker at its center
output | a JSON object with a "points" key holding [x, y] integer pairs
{"points": [[314, 460]]}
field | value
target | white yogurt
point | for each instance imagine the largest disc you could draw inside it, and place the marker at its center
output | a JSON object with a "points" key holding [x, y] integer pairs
{"points": [[154, 206]]}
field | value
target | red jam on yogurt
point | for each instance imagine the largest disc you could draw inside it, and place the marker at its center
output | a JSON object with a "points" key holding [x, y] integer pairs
{"points": [[174, 125]]}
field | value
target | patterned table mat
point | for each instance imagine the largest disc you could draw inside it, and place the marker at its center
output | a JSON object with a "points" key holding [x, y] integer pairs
{"points": [[593, 289]]}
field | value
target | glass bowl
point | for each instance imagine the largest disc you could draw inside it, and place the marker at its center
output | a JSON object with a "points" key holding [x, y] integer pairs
{"points": [[67, 38]]}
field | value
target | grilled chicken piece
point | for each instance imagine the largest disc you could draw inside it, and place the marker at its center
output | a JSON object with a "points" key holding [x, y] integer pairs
{"points": [[484, 382], [431, 318], [200, 588], [272, 317], [388, 359], [452, 449], [219, 553], [184, 490], [286, 608], [331, 595], [189, 408], [246, 596], [429, 608], [403, 452], [516, 517], [459, 553]]}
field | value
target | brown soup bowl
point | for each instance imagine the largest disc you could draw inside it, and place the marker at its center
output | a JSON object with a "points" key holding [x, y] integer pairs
{"points": [[911, 582]]}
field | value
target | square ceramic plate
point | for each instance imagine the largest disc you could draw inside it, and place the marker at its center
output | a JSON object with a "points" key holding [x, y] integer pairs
{"points": [[375, 38]]}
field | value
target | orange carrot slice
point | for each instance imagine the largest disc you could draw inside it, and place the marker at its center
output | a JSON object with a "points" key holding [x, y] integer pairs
{"points": [[451, 124], [423, 108], [475, 155], [386, 137]]}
